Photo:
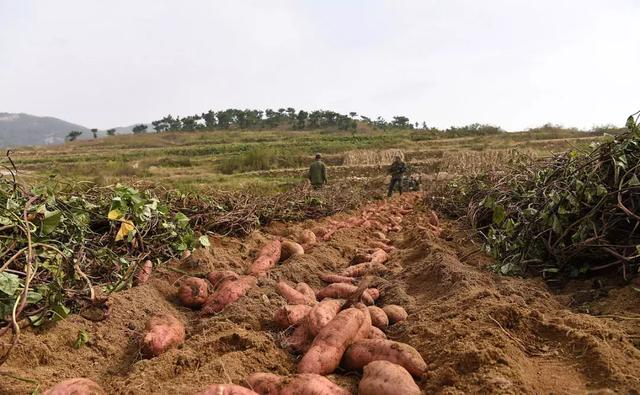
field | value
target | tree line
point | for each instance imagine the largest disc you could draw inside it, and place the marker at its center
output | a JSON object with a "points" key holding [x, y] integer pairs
{"points": [[283, 118]]}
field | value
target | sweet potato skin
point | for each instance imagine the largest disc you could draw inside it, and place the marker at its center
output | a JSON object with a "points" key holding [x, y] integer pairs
{"points": [[362, 352], [395, 313], [386, 378], [193, 291], [226, 389], [78, 386], [292, 295], [228, 292], [307, 237], [329, 345], [291, 315], [144, 273], [299, 340], [217, 278], [379, 318], [321, 314], [300, 384], [376, 333], [307, 291], [267, 258], [163, 332], [290, 249], [265, 383], [379, 256], [363, 269], [336, 278], [336, 291]]}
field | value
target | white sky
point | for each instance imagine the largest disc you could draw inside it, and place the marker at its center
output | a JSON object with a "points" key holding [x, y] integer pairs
{"points": [[512, 63]]}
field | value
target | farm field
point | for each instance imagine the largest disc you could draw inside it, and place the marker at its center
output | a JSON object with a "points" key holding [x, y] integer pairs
{"points": [[476, 330]]}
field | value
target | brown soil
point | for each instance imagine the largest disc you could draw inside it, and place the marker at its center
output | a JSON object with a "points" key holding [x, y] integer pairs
{"points": [[479, 332]]}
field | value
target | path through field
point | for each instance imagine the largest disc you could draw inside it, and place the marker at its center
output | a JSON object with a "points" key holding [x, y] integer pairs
{"points": [[477, 331]]}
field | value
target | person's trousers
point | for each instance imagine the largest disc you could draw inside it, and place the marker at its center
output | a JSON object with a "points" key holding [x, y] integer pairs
{"points": [[395, 182]]}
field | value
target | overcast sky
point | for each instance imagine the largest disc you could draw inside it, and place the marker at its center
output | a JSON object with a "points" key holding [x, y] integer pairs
{"points": [[512, 63]]}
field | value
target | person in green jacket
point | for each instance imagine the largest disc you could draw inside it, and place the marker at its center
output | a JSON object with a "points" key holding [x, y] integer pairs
{"points": [[397, 170], [318, 173]]}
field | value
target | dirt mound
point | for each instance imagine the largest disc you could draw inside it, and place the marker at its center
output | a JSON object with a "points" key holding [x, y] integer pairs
{"points": [[478, 332]]}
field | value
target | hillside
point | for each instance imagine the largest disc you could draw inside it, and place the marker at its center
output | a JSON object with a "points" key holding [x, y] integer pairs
{"points": [[25, 129]]}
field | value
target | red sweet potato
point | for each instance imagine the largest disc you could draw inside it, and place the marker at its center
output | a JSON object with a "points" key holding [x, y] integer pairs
{"points": [[217, 278], [336, 278], [193, 291], [365, 328], [386, 378], [379, 318], [379, 256], [321, 314], [79, 386], [374, 293], [226, 389], [163, 332], [343, 291], [361, 258], [362, 269], [300, 384], [329, 345], [143, 274], [381, 245], [292, 295], [433, 219], [227, 293], [290, 249], [307, 237], [307, 291], [395, 313], [376, 333], [362, 352], [267, 258], [291, 315]]}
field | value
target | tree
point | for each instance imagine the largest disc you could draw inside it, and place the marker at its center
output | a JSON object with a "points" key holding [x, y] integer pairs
{"points": [[95, 133], [73, 135], [352, 114], [142, 128], [401, 122], [111, 132]]}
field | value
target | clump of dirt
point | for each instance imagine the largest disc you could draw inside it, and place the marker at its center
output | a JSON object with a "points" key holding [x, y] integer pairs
{"points": [[479, 332]]}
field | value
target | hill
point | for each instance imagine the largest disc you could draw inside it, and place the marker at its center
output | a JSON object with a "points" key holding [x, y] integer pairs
{"points": [[25, 129]]}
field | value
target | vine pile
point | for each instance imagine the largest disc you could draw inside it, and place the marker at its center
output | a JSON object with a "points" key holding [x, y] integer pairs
{"points": [[563, 216]]}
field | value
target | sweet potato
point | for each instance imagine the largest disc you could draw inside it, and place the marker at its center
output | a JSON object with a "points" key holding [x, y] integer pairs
{"points": [[321, 314], [365, 328], [395, 313], [362, 269], [343, 291], [163, 332], [374, 293], [291, 315], [381, 245], [193, 291], [327, 236], [320, 231], [217, 278], [226, 389], [362, 352], [300, 384], [143, 274], [79, 386], [292, 295], [290, 249], [376, 333], [227, 293], [336, 278], [329, 345], [379, 256], [307, 291], [433, 219], [299, 340], [379, 318], [386, 378], [267, 258], [307, 237], [361, 258]]}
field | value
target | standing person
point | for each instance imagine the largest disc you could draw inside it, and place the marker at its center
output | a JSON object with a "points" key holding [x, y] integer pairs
{"points": [[397, 170], [318, 173]]}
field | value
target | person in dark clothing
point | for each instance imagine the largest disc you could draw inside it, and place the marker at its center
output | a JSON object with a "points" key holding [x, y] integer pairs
{"points": [[397, 170], [318, 173]]}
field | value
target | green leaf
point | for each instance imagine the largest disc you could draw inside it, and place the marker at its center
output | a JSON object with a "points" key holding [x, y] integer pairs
{"points": [[60, 312], [182, 220], [204, 241], [499, 214], [82, 339], [33, 297], [9, 283], [51, 221]]}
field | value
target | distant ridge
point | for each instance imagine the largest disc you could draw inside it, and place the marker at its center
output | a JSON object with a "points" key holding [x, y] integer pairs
{"points": [[25, 129]]}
